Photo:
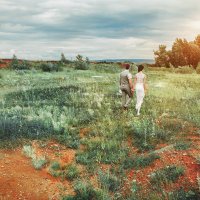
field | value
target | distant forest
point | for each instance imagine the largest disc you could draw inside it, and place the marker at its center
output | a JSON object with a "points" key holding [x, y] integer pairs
{"points": [[183, 53]]}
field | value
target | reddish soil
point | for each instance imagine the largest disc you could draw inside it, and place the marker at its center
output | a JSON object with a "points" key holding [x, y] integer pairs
{"points": [[19, 179], [186, 158]]}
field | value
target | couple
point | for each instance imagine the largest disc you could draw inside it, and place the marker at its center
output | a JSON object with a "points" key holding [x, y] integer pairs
{"points": [[127, 87]]}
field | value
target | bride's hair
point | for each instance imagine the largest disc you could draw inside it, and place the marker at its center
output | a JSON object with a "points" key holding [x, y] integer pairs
{"points": [[140, 68]]}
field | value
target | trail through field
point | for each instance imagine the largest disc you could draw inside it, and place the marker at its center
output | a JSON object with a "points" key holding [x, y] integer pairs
{"points": [[19, 179]]}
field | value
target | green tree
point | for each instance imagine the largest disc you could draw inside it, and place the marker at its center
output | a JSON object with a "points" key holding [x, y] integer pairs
{"points": [[80, 63], [162, 56], [63, 59], [14, 63]]}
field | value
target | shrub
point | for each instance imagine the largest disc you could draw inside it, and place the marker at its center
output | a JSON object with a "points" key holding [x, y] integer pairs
{"points": [[39, 162], [71, 172], [50, 67], [85, 191], [108, 181], [80, 63], [185, 70], [166, 175], [139, 161], [181, 194], [1, 76], [55, 165], [182, 145]]}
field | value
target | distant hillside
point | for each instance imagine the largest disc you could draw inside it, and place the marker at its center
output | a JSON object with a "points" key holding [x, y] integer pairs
{"points": [[139, 60]]}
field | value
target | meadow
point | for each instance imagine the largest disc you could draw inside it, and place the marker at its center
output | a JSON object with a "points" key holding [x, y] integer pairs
{"points": [[118, 155]]}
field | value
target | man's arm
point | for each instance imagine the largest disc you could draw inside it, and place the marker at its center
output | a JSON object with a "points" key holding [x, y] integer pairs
{"points": [[131, 84]]}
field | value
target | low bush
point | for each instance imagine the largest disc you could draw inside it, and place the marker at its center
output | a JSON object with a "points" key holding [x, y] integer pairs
{"points": [[85, 191], [139, 161], [185, 70], [108, 181], [181, 194], [182, 145], [71, 172], [50, 67], [166, 175]]}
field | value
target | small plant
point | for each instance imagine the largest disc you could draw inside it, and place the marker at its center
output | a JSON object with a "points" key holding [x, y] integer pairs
{"points": [[181, 194], [182, 145], [166, 175], [55, 166], [29, 151], [139, 161], [108, 181], [39, 162], [71, 172], [85, 191]]}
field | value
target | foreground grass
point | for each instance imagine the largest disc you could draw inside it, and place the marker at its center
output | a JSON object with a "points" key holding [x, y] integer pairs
{"points": [[36, 105]]}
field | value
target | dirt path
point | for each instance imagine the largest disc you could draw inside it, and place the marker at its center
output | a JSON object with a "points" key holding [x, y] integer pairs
{"points": [[19, 179]]}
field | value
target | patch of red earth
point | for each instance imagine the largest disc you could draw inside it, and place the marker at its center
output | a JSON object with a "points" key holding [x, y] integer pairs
{"points": [[179, 158], [19, 179], [55, 152]]}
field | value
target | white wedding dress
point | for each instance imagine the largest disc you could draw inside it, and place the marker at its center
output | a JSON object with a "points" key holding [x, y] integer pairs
{"points": [[139, 88]]}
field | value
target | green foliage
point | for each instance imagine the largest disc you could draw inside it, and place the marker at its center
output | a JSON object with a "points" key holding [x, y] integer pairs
{"points": [[50, 67], [71, 172], [85, 191], [139, 161], [166, 175], [55, 166], [106, 68], [80, 63], [182, 53], [181, 194], [63, 60], [1, 76], [161, 57], [185, 70], [182, 145], [69, 138], [103, 151], [39, 162], [108, 181]]}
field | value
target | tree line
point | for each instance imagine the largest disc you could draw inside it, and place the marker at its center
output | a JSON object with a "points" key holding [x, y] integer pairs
{"points": [[182, 53]]}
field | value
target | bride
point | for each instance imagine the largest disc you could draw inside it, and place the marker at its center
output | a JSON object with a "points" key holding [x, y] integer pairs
{"points": [[140, 87]]}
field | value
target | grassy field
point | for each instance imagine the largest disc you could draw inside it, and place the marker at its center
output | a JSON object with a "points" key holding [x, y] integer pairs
{"points": [[113, 149]]}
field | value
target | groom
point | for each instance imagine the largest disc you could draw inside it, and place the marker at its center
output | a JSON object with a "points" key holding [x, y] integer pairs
{"points": [[126, 86]]}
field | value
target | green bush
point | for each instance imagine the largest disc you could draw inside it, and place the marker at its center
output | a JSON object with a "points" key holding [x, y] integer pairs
{"points": [[85, 191], [182, 145], [139, 161], [80, 63], [185, 70], [1, 76], [50, 67], [181, 194], [165, 175], [55, 166], [71, 172], [108, 181]]}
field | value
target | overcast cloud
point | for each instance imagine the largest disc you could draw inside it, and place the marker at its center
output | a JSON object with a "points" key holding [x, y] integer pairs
{"points": [[94, 28]]}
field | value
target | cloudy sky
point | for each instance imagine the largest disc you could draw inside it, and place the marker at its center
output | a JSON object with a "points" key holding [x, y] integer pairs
{"points": [[42, 29]]}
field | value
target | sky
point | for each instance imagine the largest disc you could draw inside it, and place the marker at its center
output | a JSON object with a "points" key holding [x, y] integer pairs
{"points": [[98, 29]]}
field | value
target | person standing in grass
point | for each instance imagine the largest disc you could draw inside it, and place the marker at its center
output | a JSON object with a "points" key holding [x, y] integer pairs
{"points": [[140, 88], [126, 86]]}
